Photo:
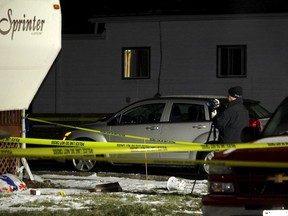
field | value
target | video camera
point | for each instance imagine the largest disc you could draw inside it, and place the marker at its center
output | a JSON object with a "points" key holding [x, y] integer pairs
{"points": [[213, 104]]}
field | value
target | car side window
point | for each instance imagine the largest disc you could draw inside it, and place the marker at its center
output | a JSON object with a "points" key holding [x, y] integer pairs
{"points": [[144, 114], [181, 112]]}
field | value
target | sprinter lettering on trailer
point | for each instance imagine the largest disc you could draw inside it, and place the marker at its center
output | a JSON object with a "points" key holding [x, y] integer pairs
{"points": [[17, 25]]}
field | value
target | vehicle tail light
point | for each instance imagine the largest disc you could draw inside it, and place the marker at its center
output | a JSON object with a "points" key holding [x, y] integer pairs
{"points": [[221, 187], [255, 123]]}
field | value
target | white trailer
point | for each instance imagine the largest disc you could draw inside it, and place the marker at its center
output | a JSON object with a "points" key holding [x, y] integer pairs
{"points": [[30, 40]]}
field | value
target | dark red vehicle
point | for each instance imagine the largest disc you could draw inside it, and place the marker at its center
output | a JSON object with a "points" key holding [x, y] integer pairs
{"points": [[252, 189]]}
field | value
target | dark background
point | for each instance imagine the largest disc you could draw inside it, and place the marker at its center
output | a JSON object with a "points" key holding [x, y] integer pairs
{"points": [[75, 14]]}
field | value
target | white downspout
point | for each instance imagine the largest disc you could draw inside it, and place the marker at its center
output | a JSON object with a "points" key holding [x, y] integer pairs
{"points": [[23, 145]]}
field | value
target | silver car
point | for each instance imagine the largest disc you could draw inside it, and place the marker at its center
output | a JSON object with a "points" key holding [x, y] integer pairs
{"points": [[180, 118]]}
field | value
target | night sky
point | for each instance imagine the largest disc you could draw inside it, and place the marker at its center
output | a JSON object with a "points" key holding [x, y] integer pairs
{"points": [[75, 14]]}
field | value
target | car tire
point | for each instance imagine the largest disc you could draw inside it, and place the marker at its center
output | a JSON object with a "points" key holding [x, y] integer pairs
{"points": [[205, 156], [81, 165]]}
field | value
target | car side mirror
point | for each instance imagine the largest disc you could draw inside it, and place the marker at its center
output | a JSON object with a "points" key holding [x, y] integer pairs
{"points": [[250, 134]]}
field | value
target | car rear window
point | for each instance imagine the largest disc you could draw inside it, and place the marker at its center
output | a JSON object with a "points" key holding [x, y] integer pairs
{"points": [[257, 111], [278, 124]]}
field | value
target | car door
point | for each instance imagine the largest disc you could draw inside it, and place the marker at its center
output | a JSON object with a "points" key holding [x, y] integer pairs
{"points": [[142, 120], [186, 121]]}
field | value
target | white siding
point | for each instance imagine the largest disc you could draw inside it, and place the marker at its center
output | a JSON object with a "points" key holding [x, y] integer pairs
{"points": [[88, 75]]}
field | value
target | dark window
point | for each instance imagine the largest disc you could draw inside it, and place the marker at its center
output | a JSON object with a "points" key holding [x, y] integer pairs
{"points": [[187, 113], [231, 61], [136, 63], [144, 114]]}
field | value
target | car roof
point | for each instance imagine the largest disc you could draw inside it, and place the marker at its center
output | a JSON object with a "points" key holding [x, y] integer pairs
{"points": [[189, 97], [204, 97], [181, 97], [194, 96]]}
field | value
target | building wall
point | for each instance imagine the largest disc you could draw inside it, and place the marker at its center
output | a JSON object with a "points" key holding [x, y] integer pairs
{"points": [[86, 77]]}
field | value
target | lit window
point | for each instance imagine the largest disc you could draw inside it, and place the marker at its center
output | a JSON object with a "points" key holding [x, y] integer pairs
{"points": [[231, 61], [136, 63]]}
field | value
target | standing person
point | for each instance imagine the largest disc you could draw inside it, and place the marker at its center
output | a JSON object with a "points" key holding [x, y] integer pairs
{"points": [[235, 118]]}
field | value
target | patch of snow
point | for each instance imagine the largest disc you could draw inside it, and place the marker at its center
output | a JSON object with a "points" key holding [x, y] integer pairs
{"points": [[81, 185]]}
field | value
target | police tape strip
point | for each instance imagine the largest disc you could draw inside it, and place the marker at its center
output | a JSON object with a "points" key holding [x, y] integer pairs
{"points": [[79, 143], [204, 147], [160, 147], [89, 149], [267, 164], [111, 133], [128, 148], [91, 154], [73, 118]]}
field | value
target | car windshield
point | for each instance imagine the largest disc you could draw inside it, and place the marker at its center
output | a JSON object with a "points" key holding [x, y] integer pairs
{"points": [[278, 124]]}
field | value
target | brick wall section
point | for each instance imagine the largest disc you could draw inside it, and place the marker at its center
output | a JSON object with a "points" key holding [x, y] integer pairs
{"points": [[10, 122]]}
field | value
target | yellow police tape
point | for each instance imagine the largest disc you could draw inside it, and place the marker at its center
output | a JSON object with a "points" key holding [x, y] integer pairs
{"points": [[110, 133], [96, 154], [205, 147], [190, 162], [88, 149], [127, 147]]}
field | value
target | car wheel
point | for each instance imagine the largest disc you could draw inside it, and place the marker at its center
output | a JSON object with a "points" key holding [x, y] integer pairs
{"points": [[204, 168], [83, 165]]}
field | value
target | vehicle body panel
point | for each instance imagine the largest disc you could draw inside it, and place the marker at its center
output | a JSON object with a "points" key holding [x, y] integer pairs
{"points": [[256, 188], [168, 118], [164, 129]]}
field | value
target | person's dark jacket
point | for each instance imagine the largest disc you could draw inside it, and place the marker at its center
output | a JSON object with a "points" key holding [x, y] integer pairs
{"points": [[232, 121]]}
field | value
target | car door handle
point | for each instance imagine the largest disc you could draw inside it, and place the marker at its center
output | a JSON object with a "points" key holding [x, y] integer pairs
{"points": [[152, 128], [199, 126]]}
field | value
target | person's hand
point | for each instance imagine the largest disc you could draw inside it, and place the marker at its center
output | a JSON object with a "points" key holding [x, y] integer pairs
{"points": [[213, 114], [216, 103]]}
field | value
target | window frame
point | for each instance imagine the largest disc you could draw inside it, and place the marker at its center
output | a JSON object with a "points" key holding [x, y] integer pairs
{"points": [[243, 60], [184, 115], [148, 66]]}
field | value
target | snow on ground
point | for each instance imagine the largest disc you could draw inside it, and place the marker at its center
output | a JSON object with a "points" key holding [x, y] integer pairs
{"points": [[82, 185]]}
